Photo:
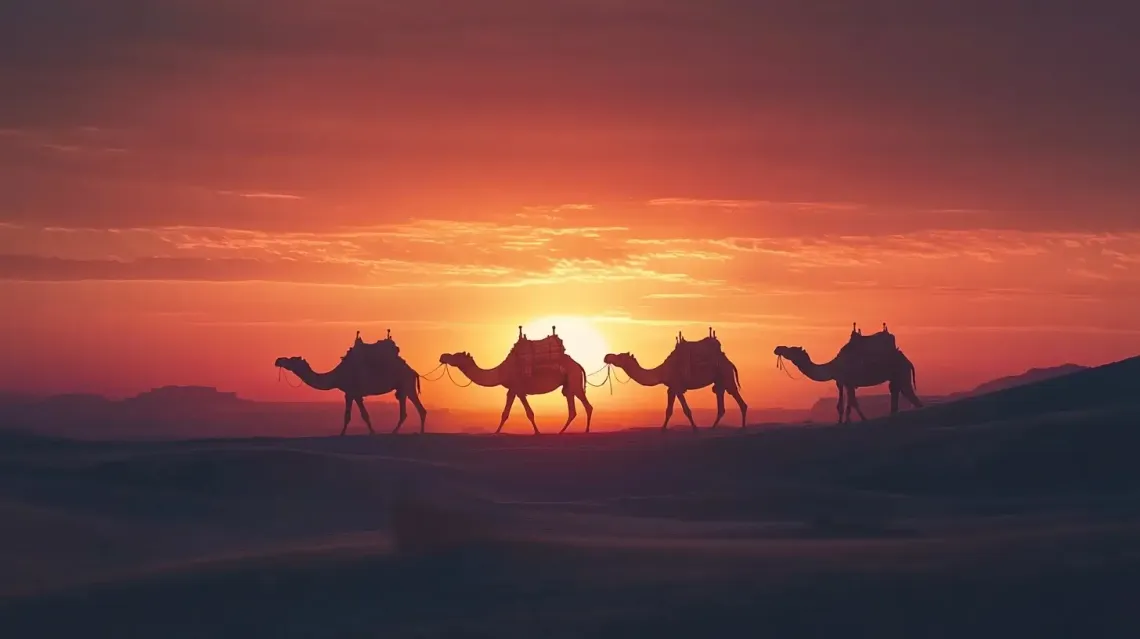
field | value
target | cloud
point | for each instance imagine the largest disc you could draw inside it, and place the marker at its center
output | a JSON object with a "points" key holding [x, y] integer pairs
{"points": [[643, 321], [692, 202], [51, 269], [682, 202], [262, 195], [676, 296], [420, 254], [438, 253], [404, 323]]}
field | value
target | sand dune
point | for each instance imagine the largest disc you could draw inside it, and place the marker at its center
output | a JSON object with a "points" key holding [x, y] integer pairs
{"points": [[1010, 514]]}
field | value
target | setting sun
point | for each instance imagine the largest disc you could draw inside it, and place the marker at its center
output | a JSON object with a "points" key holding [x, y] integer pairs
{"points": [[584, 342]]}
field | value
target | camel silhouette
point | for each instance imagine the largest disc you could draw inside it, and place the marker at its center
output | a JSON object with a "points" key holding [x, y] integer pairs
{"points": [[691, 366], [864, 361], [358, 382], [533, 367]]}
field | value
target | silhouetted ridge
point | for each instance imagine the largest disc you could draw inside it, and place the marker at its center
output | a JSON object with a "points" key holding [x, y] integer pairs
{"points": [[878, 405], [1028, 377], [1111, 385]]}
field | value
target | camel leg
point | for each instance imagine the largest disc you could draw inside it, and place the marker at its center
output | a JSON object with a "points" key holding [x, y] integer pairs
{"points": [[364, 415], [743, 407], [894, 398], [719, 391], [529, 412], [853, 402], [347, 414], [419, 409], [587, 405], [571, 413], [669, 409], [911, 397], [688, 411], [850, 397], [506, 410], [403, 400], [839, 404]]}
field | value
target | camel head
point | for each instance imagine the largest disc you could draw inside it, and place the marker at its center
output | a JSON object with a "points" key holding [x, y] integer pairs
{"points": [[791, 353], [457, 359], [621, 360], [291, 364]]}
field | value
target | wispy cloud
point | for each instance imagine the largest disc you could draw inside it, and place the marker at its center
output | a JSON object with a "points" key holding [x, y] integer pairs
{"points": [[696, 203], [72, 141], [261, 195], [676, 296], [427, 253]]}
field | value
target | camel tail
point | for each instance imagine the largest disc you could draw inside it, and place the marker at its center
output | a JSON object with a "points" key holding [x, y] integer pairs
{"points": [[736, 375], [417, 383], [913, 378]]}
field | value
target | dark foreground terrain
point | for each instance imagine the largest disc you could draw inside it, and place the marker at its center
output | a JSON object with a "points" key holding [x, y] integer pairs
{"points": [[1016, 514]]}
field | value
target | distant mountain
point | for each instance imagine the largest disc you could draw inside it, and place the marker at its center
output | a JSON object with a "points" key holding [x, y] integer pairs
{"points": [[197, 397], [879, 404], [10, 398]]}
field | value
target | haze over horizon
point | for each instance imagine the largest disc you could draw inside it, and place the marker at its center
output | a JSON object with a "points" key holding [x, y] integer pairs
{"points": [[189, 190]]}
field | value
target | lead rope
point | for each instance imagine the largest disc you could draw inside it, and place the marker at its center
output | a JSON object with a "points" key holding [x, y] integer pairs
{"points": [[780, 365], [280, 371]]}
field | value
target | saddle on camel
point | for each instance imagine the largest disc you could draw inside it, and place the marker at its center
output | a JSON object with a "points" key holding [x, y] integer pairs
{"points": [[693, 359], [869, 347], [376, 356], [532, 354]]}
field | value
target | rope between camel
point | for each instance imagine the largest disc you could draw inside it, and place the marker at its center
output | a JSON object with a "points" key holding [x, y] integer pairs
{"points": [[448, 371], [608, 369], [435, 379], [604, 381], [611, 375]]}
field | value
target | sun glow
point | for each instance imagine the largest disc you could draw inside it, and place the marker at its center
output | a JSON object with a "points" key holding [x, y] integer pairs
{"points": [[584, 342]]}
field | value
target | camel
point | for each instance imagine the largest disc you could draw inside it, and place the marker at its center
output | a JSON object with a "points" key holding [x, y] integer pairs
{"points": [[678, 373], [524, 373], [852, 369], [357, 383]]}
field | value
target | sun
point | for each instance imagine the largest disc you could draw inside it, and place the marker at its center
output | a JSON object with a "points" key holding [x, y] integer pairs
{"points": [[583, 341]]}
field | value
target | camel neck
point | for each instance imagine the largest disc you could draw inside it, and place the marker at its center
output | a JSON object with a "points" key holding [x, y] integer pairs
{"points": [[645, 376], [481, 376], [319, 381], [816, 372]]}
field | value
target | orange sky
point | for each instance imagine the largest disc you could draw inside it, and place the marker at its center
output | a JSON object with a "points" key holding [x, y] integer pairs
{"points": [[187, 195]]}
